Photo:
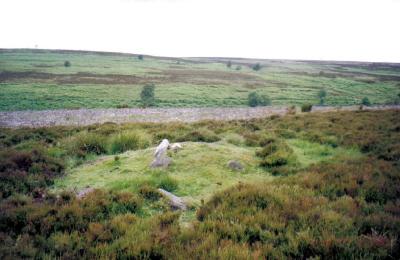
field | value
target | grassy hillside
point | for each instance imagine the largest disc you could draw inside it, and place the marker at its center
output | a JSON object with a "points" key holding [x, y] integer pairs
{"points": [[316, 186], [33, 79]]}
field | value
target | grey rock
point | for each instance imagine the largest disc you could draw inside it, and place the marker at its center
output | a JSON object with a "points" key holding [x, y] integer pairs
{"points": [[175, 202], [161, 160], [175, 147], [235, 165]]}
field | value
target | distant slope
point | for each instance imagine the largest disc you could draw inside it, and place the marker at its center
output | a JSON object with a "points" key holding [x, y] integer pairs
{"points": [[38, 79]]}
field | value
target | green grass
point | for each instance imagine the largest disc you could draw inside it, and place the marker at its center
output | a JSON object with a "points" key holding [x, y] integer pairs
{"points": [[285, 82], [199, 169], [308, 153]]}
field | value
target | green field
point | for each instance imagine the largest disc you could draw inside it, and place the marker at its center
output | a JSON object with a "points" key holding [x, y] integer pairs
{"points": [[37, 80]]}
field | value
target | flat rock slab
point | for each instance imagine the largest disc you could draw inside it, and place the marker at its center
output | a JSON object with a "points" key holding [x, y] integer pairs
{"points": [[174, 201]]}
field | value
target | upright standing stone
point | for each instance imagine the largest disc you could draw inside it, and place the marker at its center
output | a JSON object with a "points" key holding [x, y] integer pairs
{"points": [[161, 160]]}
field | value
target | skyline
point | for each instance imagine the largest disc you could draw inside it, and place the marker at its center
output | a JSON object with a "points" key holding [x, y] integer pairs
{"points": [[357, 30]]}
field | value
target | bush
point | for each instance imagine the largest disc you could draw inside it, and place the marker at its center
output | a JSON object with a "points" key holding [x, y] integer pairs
{"points": [[201, 135], [128, 140], [306, 108], [365, 102], [322, 96], [27, 172], [275, 153], [229, 64], [238, 67], [85, 143], [256, 67], [140, 57], [254, 100], [150, 193], [234, 139], [147, 95], [276, 159], [254, 139], [167, 183], [67, 64]]}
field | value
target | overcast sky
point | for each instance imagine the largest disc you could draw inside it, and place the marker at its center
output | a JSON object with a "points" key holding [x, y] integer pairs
{"points": [[364, 30]]}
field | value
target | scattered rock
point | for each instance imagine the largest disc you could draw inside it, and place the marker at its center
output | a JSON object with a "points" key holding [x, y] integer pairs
{"points": [[235, 165], [175, 202], [82, 193], [175, 147], [161, 160]]}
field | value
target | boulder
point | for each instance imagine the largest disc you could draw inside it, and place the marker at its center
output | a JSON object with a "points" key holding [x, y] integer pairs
{"points": [[235, 165], [175, 202]]}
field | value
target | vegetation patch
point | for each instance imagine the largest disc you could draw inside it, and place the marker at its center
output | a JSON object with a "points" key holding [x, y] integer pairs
{"points": [[337, 195]]}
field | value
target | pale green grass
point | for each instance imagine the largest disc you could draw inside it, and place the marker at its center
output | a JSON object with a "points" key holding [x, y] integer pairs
{"points": [[199, 168], [308, 153]]}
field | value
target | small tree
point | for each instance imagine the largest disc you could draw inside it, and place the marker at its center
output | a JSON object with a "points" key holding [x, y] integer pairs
{"points": [[140, 57], [306, 108], [397, 100], [67, 63], [254, 100], [365, 101], [256, 67], [238, 67], [147, 95], [322, 95], [264, 101], [229, 64]]}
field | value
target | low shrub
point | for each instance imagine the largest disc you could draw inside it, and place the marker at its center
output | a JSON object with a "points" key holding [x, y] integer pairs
{"points": [[254, 138], [275, 153], [317, 137], [167, 183], [365, 102], [234, 139], [25, 172], [276, 159], [128, 140], [254, 100], [306, 107], [256, 67], [201, 135], [85, 143], [150, 193]]}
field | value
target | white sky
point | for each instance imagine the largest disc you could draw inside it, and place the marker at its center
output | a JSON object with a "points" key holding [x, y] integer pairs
{"points": [[364, 30]]}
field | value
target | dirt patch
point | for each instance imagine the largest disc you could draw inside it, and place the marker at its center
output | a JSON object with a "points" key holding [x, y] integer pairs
{"points": [[78, 78], [210, 77], [165, 76]]}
